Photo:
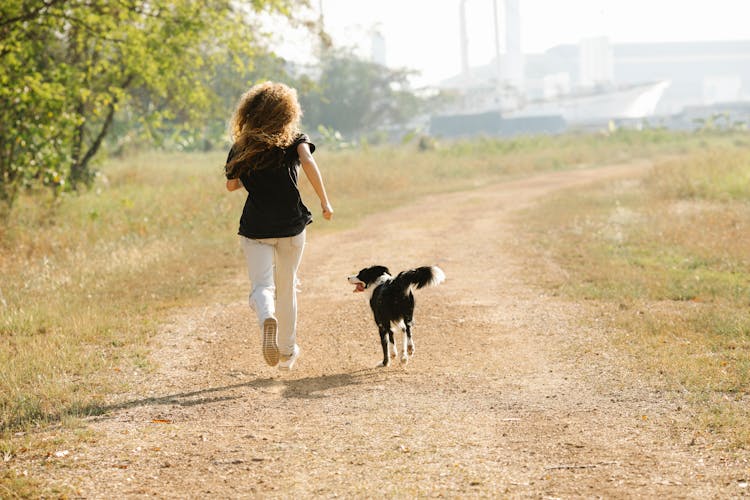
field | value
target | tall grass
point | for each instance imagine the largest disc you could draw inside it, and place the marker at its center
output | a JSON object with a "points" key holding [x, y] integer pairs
{"points": [[85, 280], [670, 255]]}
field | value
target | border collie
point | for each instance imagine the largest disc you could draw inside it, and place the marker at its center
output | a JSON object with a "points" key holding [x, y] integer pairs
{"points": [[392, 302]]}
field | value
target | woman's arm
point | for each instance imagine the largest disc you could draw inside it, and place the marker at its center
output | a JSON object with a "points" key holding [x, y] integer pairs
{"points": [[233, 184], [316, 180]]}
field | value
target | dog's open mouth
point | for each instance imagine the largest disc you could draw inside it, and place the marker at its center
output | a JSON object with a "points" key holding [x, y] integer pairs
{"points": [[358, 284]]}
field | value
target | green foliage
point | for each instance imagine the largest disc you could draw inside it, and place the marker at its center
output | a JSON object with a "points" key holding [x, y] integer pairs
{"points": [[720, 122], [79, 76], [332, 139], [67, 68], [355, 96]]}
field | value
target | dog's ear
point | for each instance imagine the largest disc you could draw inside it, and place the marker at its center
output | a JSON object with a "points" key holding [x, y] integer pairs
{"points": [[376, 272], [370, 274], [381, 270]]}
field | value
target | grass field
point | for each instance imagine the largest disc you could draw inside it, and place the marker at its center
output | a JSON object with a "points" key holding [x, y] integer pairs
{"points": [[668, 256], [86, 279]]}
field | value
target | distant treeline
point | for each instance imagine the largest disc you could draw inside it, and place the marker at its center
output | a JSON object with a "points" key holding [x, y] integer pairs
{"points": [[81, 76]]}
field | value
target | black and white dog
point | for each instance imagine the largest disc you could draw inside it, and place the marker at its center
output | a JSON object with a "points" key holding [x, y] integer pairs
{"points": [[392, 302]]}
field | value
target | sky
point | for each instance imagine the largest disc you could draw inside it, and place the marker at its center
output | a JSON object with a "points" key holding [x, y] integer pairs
{"points": [[424, 34]]}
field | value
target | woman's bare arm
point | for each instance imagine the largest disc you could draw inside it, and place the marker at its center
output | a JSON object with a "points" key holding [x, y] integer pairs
{"points": [[316, 180]]}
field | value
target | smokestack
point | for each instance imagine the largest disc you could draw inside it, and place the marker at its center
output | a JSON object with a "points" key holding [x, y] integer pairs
{"points": [[464, 39], [514, 66], [498, 61], [377, 48]]}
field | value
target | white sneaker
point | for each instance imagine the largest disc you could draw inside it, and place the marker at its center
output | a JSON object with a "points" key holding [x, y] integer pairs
{"points": [[270, 347], [287, 362]]}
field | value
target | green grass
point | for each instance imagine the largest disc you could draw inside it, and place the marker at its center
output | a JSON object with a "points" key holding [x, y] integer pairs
{"points": [[14, 486], [86, 280], [669, 254]]}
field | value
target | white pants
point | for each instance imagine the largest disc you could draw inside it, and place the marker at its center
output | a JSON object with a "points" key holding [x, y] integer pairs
{"points": [[272, 264]]}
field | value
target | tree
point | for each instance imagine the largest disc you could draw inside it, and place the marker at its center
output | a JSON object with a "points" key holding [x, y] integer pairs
{"points": [[67, 67], [354, 96]]}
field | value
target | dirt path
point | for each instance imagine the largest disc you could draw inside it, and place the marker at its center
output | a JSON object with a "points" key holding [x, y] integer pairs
{"points": [[511, 393]]}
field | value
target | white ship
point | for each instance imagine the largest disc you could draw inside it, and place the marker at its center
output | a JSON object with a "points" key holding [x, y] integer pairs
{"points": [[630, 102]]}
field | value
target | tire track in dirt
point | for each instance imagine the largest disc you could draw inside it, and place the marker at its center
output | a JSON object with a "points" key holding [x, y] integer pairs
{"points": [[511, 392]]}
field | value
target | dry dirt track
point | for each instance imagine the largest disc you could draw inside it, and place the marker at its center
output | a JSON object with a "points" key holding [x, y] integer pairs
{"points": [[511, 393]]}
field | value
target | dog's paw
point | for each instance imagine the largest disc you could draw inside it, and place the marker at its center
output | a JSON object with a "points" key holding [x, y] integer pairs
{"points": [[410, 349], [404, 359], [382, 365]]}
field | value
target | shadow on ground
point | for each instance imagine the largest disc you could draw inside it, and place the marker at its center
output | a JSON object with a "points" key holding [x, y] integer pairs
{"points": [[302, 388]]}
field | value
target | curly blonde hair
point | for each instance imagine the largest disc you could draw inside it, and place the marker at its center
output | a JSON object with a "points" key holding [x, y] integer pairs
{"points": [[267, 116]]}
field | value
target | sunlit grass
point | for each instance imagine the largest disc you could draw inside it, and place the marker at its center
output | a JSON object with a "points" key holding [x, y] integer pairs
{"points": [[84, 284], [669, 254], [13, 485], [367, 180], [85, 280]]}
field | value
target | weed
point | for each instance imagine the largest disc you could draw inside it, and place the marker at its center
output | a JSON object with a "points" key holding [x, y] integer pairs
{"points": [[671, 250]]}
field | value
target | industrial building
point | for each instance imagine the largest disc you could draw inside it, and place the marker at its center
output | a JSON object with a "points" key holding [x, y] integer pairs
{"points": [[675, 84]]}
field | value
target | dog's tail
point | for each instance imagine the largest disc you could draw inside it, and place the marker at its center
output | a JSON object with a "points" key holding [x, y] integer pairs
{"points": [[420, 277]]}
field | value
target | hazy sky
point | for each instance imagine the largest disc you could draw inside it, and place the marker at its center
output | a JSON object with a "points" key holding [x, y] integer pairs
{"points": [[424, 34]]}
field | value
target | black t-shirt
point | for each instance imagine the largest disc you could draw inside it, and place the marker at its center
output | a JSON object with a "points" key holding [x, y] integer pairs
{"points": [[274, 207]]}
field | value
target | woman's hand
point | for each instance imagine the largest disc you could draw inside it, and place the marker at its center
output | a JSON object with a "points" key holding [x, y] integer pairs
{"points": [[327, 210], [233, 184]]}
